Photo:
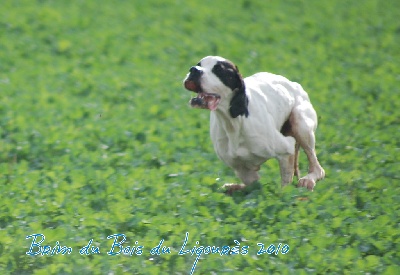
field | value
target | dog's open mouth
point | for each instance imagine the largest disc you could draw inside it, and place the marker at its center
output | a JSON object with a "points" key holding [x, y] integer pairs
{"points": [[203, 100]]}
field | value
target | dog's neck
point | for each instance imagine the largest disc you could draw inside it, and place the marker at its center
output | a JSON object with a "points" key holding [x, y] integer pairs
{"points": [[231, 111], [225, 129], [234, 103], [224, 119]]}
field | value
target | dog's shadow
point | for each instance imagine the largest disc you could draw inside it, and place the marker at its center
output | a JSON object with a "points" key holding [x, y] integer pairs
{"points": [[252, 191]]}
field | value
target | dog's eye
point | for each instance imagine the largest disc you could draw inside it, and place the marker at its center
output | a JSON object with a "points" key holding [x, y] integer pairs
{"points": [[198, 64]]}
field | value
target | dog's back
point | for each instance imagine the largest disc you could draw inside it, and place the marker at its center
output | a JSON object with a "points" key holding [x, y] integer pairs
{"points": [[275, 95]]}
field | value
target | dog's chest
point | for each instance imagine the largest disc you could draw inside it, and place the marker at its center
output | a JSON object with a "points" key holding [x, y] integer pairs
{"points": [[239, 155], [237, 148]]}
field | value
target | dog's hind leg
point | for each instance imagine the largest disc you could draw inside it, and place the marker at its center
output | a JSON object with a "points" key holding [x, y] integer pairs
{"points": [[286, 130], [304, 122], [296, 160], [286, 165]]}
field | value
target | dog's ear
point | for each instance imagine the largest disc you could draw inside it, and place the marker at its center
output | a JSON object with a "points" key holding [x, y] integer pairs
{"points": [[239, 103]]}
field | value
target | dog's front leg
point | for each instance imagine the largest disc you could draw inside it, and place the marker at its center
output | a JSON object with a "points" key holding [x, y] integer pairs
{"points": [[247, 176]]}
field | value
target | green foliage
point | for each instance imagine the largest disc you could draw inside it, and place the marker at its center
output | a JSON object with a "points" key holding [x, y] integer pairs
{"points": [[96, 137]]}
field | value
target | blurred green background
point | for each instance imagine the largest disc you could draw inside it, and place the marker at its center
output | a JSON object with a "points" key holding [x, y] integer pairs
{"points": [[97, 137]]}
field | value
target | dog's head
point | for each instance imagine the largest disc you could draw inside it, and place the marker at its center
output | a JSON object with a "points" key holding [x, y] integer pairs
{"points": [[218, 84]]}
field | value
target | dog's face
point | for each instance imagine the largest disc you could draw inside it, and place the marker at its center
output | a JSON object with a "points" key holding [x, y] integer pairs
{"points": [[216, 80]]}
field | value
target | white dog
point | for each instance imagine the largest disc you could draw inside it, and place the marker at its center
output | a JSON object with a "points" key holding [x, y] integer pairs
{"points": [[254, 119]]}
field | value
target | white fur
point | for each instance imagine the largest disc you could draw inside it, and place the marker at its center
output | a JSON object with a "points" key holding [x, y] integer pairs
{"points": [[244, 143]]}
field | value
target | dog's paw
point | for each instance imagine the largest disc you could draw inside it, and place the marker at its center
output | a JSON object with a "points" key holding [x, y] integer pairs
{"points": [[306, 182], [232, 187]]}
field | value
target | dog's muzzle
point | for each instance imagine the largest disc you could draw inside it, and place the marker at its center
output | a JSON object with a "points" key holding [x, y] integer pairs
{"points": [[203, 100]]}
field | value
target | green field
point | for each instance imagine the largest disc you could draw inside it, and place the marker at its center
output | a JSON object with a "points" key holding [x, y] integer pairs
{"points": [[97, 137]]}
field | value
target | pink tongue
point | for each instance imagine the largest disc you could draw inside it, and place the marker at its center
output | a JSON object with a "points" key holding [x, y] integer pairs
{"points": [[212, 104], [190, 85]]}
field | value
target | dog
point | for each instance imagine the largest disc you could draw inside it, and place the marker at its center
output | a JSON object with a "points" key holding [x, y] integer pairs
{"points": [[254, 119]]}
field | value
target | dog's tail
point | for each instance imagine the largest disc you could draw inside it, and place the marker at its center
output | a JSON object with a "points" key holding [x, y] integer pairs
{"points": [[296, 160]]}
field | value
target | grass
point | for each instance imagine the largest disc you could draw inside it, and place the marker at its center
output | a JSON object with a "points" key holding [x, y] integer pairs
{"points": [[97, 138]]}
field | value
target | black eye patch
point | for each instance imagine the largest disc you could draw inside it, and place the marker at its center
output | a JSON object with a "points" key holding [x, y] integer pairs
{"points": [[228, 74]]}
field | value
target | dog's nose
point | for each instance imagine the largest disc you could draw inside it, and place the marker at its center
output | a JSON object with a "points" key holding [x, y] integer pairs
{"points": [[195, 71]]}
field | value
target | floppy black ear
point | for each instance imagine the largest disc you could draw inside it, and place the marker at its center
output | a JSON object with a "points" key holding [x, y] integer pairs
{"points": [[239, 103]]}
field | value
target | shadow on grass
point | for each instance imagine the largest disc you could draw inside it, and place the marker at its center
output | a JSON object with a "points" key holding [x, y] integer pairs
{"points": [[252, 191]]}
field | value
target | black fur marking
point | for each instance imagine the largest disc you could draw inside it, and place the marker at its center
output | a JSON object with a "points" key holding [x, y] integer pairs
{"points": [[239, 103], [229, 74]]}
